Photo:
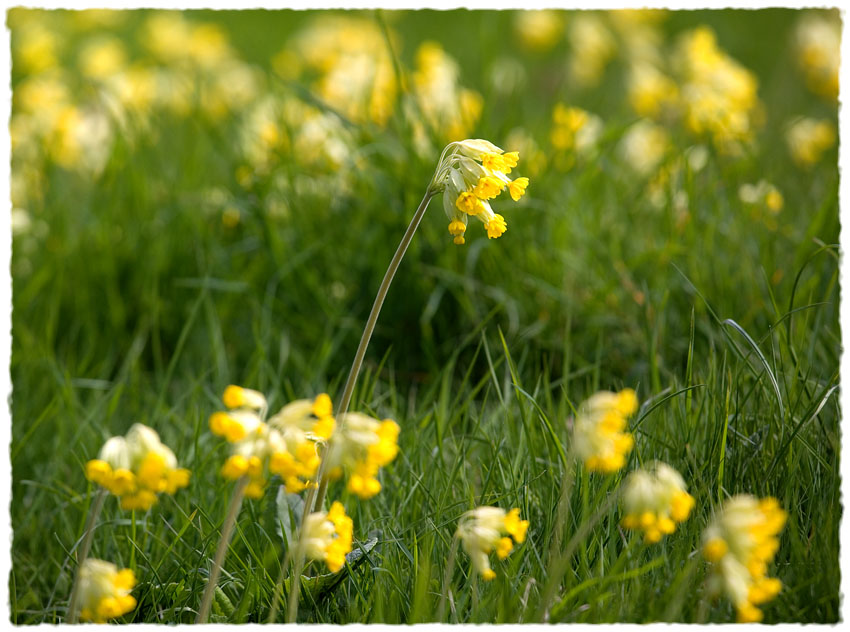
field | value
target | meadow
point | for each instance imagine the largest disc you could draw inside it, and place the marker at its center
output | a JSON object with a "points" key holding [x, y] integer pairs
{"points": [[211, 198]]}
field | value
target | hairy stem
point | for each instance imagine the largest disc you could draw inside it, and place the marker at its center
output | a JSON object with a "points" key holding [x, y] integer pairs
{"points": [[348, 390]]}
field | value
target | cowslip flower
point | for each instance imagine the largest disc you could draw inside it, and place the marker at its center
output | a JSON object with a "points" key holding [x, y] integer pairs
{"points": [[485, 529], [327, 536], [286, 444], [740, 543], [655, 500], [598, 437], [136, 468], [363, 447], [574, 129], [808, 139], [470, 173], [644, 146], [817, 39], [104, 591], [539, 30], [719, 95], [650, 91]]}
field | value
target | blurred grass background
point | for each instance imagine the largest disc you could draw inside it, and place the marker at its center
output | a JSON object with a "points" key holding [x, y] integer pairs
{"points": [[160, 260]]}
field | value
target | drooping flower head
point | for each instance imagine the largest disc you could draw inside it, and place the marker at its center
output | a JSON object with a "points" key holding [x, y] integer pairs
{"points": [[487, 529], [362, 447], [327, 536], [285, 445], [104, 591], [740, 542], [470, 173], [136, 468], [655, 500], [598, 437]]}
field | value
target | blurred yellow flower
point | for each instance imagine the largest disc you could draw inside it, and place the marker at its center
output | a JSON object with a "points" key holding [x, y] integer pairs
{"points": [[102, 57], [651, 92], [644, 146], [485, 529], [449, 109], [104, 591], [808, 139], [718, 95], [574, 130], [35, 47], [470, 173], [598, 437], [760, 197], [356, 74], [817, 40], [740, 542], [327, 536], [539, 30], [655, 500], [592, 46], [362, 447], [136, 468]]}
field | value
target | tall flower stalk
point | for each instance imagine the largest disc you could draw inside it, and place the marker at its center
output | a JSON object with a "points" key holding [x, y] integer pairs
{"points": [[469, 173]]}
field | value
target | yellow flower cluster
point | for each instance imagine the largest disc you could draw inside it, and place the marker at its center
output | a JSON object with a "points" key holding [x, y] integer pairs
{"points": [[740, 543], [593, 46], [362, 446], [327, 536], [818, 46], [485, 529], [355, 70], [470, 173], [644, 146], [808, 139], [655, 500], [104, 591], [598, 437], [650, 92], [285, 445], [574, 129], [719, 95], [70, 109], [446, 106], [136, 468], [711, 93], [539, 30]]}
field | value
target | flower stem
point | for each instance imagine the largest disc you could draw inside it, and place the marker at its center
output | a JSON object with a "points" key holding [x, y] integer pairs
{"points": [[223, 543], [85, 547], [348, 390]]}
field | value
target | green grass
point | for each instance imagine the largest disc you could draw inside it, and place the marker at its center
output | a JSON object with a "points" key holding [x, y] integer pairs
{"points": [[138, 304]]}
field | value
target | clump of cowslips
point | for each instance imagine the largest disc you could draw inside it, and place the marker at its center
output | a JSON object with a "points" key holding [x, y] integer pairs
{"points": [[362, 447], [655, 500], [104, 591], [598, 437], [285, 445], [485, 529], [740, 543], [136, 468], [470, 173], [327, 536]]}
